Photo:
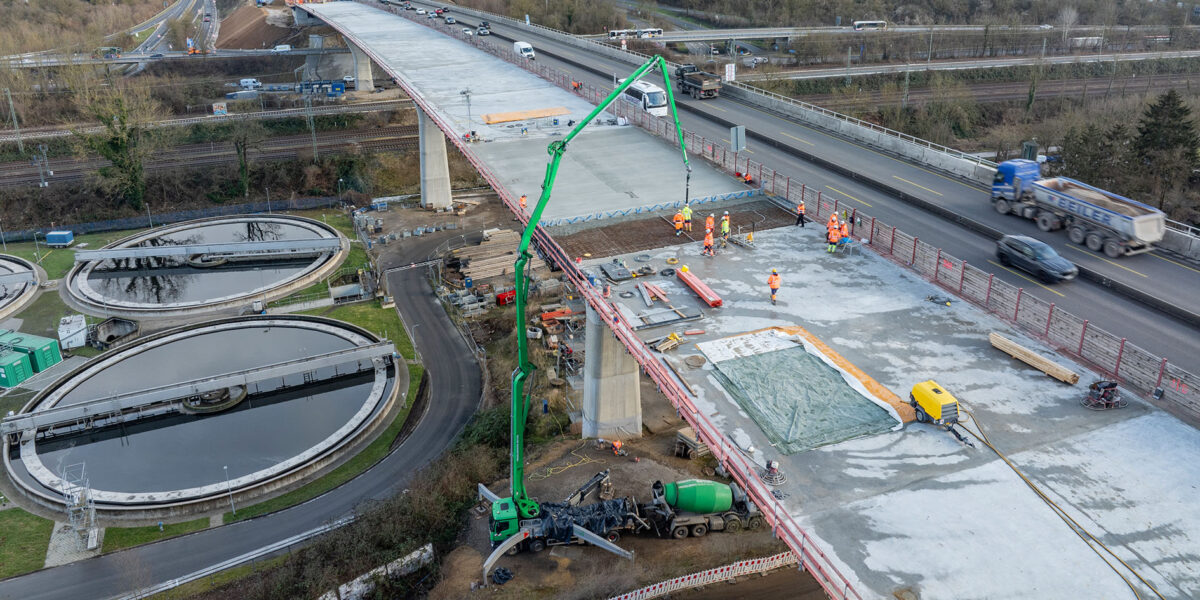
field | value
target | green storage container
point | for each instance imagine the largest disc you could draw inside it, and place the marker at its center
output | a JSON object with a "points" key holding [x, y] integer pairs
{"points": [[14, 368], [698, 496], [43, 352]]}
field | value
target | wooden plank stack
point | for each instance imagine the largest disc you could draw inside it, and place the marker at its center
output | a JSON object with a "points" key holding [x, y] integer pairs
{"points": [[495, 256], [1033, 359]]}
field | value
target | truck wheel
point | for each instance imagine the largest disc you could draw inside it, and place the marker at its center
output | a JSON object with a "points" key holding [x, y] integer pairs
{"points": [[1077, 234], [1047, 222], [1095, 242], [1114, 249], [613, 537], [699, 530], [754, 523], [733, 523], [537, 545], [1002, 206], [515, 550], [679, 532]]}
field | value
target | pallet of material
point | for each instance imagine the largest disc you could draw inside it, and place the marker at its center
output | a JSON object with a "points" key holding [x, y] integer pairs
{"points": [[688, 444], [667, 316], [706, 294], [1033, 359], [522, 115]]}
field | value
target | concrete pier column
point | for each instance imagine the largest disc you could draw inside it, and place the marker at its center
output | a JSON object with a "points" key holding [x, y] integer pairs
{"points": [[303, 19], [612, 398], [312, 62], [364, 80], [435, 168]]}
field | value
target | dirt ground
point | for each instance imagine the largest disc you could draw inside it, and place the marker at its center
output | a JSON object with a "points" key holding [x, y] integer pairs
{"points": [[556, 470], [247, 27]]}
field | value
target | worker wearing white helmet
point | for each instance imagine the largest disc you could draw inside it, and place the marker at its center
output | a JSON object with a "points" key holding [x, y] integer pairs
{"points": [[710, 222]]}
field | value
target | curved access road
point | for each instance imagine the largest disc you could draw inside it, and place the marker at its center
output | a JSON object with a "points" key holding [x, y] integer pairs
{"points": [[455, 388]]}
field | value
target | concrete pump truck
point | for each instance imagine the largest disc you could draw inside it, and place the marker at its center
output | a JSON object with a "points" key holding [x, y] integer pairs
{"points": [[519, 521]]}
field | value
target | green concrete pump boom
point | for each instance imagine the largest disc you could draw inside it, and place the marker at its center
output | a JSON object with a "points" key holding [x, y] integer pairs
{"points": [[527, 508]]}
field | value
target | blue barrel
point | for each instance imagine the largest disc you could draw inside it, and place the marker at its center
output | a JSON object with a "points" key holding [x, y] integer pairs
{"points": [[467, 283]]}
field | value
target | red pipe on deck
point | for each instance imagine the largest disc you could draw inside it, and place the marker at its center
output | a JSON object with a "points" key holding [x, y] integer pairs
{"points": [[706, 294]]}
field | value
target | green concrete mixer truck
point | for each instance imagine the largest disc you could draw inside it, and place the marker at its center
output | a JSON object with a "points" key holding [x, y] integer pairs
{"points": [[694, 507]]}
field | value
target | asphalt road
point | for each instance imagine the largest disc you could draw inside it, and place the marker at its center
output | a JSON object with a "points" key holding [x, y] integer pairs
{"points": [[1167, 277], [455, 388]]}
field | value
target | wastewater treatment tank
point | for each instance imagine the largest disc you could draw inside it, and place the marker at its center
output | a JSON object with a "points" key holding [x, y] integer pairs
{"points": [[190, 455], [179, 285], [18, 284]]}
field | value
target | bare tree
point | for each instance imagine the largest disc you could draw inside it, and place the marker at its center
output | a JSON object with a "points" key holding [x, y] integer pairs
{"points": [[1068, 17], [124, 110]]}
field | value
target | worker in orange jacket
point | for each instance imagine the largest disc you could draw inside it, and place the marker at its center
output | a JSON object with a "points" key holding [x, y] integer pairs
{"points": [[524, 200], [708, 243], [710, 222], [833, 221], [833, 238], [773, 282], [800, 220], [678, 220]]}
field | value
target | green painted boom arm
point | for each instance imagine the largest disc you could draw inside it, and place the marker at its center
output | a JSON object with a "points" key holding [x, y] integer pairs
{"points": [[526, 507]]}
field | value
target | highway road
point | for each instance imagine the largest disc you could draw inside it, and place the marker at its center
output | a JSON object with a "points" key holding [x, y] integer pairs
{"points": [[975, 63], [145, 56], [767, 33], [1169, 277], [455, 388]]}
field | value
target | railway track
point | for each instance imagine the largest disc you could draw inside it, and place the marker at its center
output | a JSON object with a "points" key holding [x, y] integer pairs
{"points": [[200, 155], [1011, 91]]}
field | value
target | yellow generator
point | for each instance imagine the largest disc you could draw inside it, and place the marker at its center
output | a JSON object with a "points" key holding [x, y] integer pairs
{"points": [[937, 406], [933, 404]]}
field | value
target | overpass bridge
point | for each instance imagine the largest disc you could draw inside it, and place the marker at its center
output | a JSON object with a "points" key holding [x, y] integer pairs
{"points": [[770, 33]]}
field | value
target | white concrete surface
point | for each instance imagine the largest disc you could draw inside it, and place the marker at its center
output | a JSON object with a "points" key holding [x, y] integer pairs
{"points": [[608, 167], [915, 508]]}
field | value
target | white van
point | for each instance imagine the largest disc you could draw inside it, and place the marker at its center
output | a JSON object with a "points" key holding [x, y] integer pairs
{"points": [[523, 49], [249, 84], [282, 48]]}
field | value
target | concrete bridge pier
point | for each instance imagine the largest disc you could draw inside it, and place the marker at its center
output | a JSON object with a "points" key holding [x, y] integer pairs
{"points": [[302, 18], [312, 62], [612, 398], [435, 167], [364, 80]]}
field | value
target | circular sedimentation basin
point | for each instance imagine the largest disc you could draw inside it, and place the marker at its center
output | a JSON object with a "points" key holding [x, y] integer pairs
{"points": [[15, 296], [185, 285], [276, 434]]}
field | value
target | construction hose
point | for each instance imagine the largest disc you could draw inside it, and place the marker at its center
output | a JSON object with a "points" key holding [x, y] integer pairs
{"points": [[672, 261], [1085, 535]]}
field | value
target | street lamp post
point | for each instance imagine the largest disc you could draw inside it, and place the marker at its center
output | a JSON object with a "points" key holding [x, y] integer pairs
{"points": [[2, 241], [268, 188], [37, 250], [339, 189], [229, 489], [466, 93]]}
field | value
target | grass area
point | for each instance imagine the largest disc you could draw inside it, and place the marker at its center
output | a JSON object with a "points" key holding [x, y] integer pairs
{"points": [[369, 316], [58, 261], [351, 469], [23, 541], [15, 399], [216, 580], [117, 538], [332, 217], [41, 317]]}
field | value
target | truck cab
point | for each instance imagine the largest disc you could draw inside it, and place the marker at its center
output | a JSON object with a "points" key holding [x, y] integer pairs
{"points": [[1013, 178], [504, 521]]}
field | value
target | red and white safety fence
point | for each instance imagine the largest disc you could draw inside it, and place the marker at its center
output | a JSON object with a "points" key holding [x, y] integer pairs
{"points": [[717, 575]]}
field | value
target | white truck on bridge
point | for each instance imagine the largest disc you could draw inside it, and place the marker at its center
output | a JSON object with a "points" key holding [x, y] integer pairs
{"points": [[1101, 220]]}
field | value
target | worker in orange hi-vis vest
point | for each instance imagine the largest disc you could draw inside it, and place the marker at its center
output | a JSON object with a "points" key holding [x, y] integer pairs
{"points": [[710, 222], [708, 243], [773, 282], [832, 239], [524, 200], [800, 220], [678, 220], [833, 221]]}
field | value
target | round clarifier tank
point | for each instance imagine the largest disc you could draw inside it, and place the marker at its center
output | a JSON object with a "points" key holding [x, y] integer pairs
{"points": [[18, 284], [180, 285], [273, 432]]}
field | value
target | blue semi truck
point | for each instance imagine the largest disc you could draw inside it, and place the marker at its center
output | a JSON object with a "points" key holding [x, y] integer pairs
{"points": [[1101, 220]]}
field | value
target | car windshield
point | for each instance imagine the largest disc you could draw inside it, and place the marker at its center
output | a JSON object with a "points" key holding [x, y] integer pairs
{"points": [[1042, 251], [656, 99]]}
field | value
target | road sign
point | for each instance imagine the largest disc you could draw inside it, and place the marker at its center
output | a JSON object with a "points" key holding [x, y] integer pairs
{"points": [[737, 138], [730, 72], [220, 109]]}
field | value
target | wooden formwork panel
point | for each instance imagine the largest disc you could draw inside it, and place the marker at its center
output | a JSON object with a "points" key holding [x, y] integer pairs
{"points": [[1181, 387], [927, 259], [1101, 347], [1065, 330], [975, 285], [1034, 313]]}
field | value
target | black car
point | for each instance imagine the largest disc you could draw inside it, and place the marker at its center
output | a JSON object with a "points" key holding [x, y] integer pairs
{"points": [[1036, 257]]}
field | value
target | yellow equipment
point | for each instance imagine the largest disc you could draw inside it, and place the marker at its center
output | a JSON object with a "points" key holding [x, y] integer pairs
{"points": [[933, 404]]}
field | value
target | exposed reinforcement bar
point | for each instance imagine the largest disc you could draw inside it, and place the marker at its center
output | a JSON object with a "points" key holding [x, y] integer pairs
{"points": [[277, 248], [175, 392]]}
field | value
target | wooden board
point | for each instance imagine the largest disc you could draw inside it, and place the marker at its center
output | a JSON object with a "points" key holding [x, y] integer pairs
{"points": [[1033, 359], [521, 115]]}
